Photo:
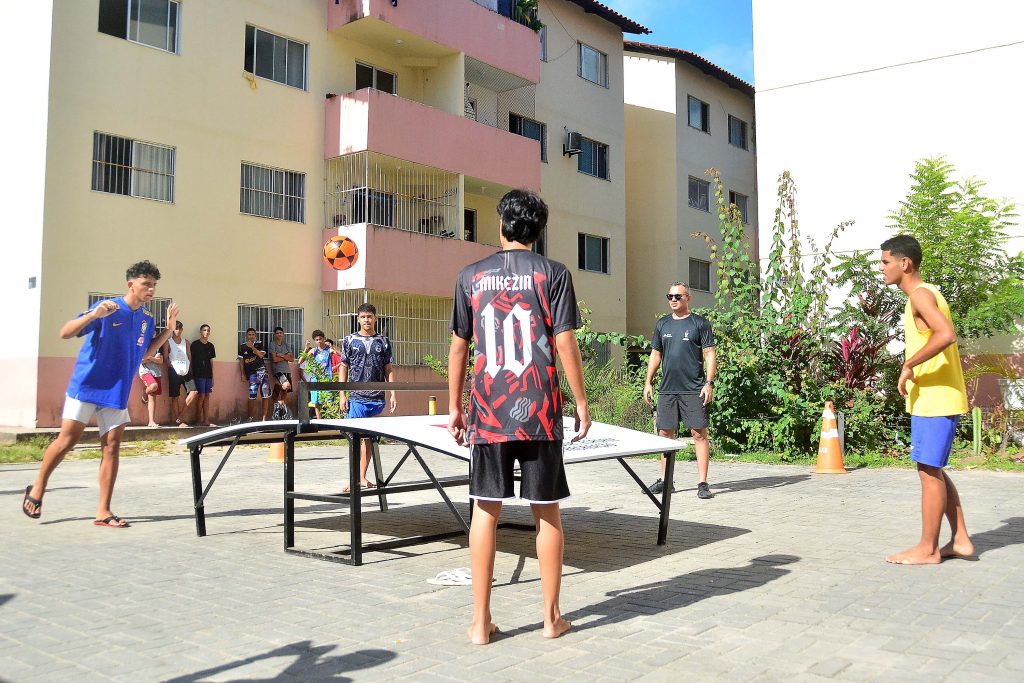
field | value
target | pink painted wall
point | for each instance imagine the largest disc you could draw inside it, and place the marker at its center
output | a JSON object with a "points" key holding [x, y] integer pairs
{"points": [[461, 25], [401, 261], [373, 120]]}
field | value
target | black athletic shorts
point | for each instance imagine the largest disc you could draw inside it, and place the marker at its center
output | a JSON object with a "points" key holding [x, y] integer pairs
{"points": [[540, 463], [177, 381], [686, 408]]}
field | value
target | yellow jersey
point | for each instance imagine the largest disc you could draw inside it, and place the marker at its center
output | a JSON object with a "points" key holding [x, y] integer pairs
{"points": [[938, 387]]}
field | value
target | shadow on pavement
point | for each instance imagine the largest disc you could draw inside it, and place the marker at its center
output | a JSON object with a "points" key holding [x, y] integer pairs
{"points": [[1011, 533], [310, 664], [756, 483], [679, 591], [595, 540], [5, 598]]}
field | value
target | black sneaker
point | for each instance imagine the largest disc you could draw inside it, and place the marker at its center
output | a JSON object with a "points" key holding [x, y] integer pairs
{"points": [[657, 487], [704, 491]]}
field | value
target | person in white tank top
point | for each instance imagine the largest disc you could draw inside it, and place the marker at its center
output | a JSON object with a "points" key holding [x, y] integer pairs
{"points": [[178, 353]]}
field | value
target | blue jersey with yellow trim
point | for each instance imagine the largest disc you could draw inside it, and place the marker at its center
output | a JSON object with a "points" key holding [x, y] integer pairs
{"points": [[113, 348]]}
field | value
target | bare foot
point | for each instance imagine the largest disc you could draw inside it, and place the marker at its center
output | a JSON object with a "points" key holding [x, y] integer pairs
{"points": [[957, 548], [559, 628], [183, 424], [915, 555], [481, 636], [152, 424]]}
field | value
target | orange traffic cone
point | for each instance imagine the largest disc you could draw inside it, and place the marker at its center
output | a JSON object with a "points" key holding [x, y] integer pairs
{"points": [[830, 456], [276, 452]]}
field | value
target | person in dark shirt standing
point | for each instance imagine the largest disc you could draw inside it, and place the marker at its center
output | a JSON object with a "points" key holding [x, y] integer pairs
{"points": [[683, 346], [519, 309], [203, 353], [251, 356]]}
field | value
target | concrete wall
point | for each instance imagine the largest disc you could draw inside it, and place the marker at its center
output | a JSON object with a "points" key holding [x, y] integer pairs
{"points": [[25, 46], [580, 203]]}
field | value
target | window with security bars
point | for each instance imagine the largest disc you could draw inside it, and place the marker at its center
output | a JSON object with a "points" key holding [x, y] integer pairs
{"points": [[593, 253], [740, 201], [737, 132], [275, 57], [700, 275], [417, 325], [132, 168], [593, 158], [156, 306], [264, 319], [273, 193], [528, 128], [148, 22], [699, 194], [593, 65]]}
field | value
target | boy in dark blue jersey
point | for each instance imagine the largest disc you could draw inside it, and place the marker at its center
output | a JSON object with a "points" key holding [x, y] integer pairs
{"points": [[520, 311], [118, 333]]}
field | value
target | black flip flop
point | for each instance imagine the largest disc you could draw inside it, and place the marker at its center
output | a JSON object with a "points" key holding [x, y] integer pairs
{"points": [[107, 522], [35, 501]]}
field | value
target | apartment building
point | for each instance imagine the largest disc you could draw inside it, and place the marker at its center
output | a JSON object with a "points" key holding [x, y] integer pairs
{"points": [[684, 115], [226, 141], [849, 122]]}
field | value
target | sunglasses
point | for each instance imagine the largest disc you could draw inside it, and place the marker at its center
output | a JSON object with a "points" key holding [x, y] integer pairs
{"points": [[674, 297]]}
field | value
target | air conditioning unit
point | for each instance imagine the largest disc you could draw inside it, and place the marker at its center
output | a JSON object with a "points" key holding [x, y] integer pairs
{"points": [[573, 144]]}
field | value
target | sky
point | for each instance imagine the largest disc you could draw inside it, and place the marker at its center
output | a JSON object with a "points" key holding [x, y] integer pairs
{"points": [[720, 31]]}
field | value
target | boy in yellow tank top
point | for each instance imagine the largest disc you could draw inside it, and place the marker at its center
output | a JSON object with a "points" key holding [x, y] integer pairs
{"points": [[932, 380]]}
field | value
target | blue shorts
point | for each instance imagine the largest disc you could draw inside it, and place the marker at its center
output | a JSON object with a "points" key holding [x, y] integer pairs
{"points": [[204, 385], [931, 439], [364, 408], [259, 383]]}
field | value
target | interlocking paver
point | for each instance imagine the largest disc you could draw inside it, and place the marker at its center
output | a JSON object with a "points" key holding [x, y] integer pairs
{"points": [[780, 576]]}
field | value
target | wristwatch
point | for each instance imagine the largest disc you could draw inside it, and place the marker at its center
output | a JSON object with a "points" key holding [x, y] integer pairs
{"points": [[710, 382]]}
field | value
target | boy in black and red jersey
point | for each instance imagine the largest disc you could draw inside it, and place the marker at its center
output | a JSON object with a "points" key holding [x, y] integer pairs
{"points": [[520, 310]]}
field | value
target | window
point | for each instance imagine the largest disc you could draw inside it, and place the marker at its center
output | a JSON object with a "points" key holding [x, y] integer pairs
{"points": [[265, 318], [273, 193], [132, 168], [699, 193], [156, 306], [593, 253], [148, 22], [275, 58], [528, 128], [543, 35], [593, 158], [593, 65], [740, 200], [699, 114], [469, 225], [737, 132], [371, 77], [700, 275]]}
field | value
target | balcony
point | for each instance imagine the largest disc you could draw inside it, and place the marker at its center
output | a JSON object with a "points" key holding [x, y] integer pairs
{"points": [[401, 261], [460, 25], [370, 120]]}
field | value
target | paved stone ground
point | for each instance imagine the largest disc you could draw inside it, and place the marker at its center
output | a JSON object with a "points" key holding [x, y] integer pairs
{"points": [[781, 576]]}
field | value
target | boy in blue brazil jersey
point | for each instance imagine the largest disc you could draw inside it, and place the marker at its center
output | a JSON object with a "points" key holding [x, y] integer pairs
{"points": [[117, 333]]}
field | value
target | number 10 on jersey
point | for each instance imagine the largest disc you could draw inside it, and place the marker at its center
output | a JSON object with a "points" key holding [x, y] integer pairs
{"points": [[517, 316]]}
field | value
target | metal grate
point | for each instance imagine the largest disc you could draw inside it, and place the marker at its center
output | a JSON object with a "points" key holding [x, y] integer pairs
{"points": [[273, 193], [265, 318], [417, 325], [366, 187], [158, 307], [133, 168]]}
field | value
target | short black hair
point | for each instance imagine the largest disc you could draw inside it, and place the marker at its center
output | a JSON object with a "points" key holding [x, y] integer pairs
{"points": [[178, 325], [366, 308], [329, 341], [318, 333], [904, 246], [142, 269], [207, 325], [278, 328], [251, 329], [523, 216]]}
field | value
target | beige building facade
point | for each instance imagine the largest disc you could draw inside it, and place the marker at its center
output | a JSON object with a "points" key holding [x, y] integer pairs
{"points": [[226, 141], [684, 115]]}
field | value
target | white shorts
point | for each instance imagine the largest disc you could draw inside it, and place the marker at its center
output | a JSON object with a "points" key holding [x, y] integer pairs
{"points": [[106, 418]]}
